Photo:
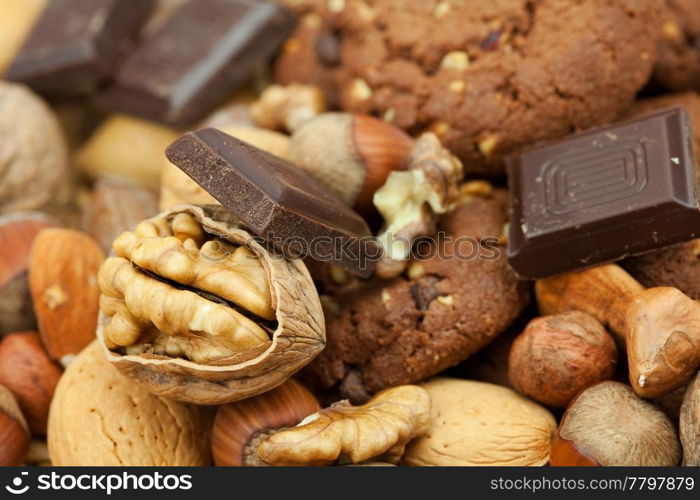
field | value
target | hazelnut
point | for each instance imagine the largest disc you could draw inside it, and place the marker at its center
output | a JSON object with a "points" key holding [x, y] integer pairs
{"points": [[604, 292], [663, 335], [690, 424], [351, 154], [608, 424], [17, 232], [63, 266], [27, 371], [239, 427], [14, 433], [558, 356], [475, 423], [33, 152]]}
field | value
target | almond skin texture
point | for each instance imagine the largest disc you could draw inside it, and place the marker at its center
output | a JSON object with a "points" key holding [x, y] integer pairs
{"points": [[14, 434], [99, 417], [558, 356], [27, 371], [17, 232], [63, 266], [475, 423]]}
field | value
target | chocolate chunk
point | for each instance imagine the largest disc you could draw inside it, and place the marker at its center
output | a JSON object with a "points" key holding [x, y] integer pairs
{"points": [[276, 199], [197, 58], [424, 291], [604, 194], [328, 48], [491, 41], [75, 44]]}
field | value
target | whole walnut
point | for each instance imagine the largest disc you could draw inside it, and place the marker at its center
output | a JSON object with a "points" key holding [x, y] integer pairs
{"points": [[33, 152], [556, 357]]}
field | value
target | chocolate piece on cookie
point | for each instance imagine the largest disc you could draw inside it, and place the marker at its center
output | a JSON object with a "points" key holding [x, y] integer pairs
{"points": [[677, 266], [678, 67], [486, 77], [444, 308]]}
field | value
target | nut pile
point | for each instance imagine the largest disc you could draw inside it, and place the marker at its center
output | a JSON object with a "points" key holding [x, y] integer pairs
{"points": [[144, 323]]}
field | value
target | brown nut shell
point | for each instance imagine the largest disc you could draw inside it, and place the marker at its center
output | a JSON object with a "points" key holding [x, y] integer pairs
{"points": [[100, 418], [14, 433], [298, 338], [608, 424], [690, 424], [558, 356], [27, 371]]}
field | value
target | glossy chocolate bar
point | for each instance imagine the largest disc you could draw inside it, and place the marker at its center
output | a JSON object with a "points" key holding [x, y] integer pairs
{"points": [[603, 195], [276, 200], [197, 58], [76, 44]]}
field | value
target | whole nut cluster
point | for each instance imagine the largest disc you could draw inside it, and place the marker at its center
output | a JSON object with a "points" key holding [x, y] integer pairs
{"points": [[144, 324]]}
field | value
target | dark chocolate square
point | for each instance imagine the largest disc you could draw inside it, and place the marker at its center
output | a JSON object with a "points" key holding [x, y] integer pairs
{"points": [[604, 194], [75, 44]]}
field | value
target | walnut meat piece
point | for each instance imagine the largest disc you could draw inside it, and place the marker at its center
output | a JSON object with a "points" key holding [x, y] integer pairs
{"points": [[196, 309], [344, 433], [410, 200]]}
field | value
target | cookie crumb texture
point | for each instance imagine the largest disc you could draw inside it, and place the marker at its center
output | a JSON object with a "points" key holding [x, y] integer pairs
{"points": [[387, 333], [679, 50], [486, 77]]}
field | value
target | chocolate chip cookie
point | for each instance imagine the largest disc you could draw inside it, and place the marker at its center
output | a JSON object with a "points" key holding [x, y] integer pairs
{"points": [[679, 50], [679, 265], [486, 77], [446, 307]]}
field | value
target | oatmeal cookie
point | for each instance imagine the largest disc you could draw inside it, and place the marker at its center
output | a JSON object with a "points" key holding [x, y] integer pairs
{"points": [[486, 76], [385, 333]]}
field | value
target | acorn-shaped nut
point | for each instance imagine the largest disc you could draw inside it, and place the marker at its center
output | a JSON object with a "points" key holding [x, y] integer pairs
{"points": [[351, 154], [240, 426]]}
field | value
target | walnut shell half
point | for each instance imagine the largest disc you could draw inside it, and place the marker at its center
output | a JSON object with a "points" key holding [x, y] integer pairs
{"points": [[197, 358]]}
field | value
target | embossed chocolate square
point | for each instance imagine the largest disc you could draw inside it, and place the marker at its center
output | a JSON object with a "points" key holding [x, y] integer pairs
{"points": [[603, 194]]}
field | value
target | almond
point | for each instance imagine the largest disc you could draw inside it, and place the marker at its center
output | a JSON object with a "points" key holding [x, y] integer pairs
{"points": [[17, 232], [27, 371], [63, 266]]}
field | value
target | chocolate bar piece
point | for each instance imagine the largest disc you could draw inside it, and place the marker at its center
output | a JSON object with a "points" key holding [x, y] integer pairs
{"points": [[197, 58], [277, 200], [76, 44], [604, 194]]}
